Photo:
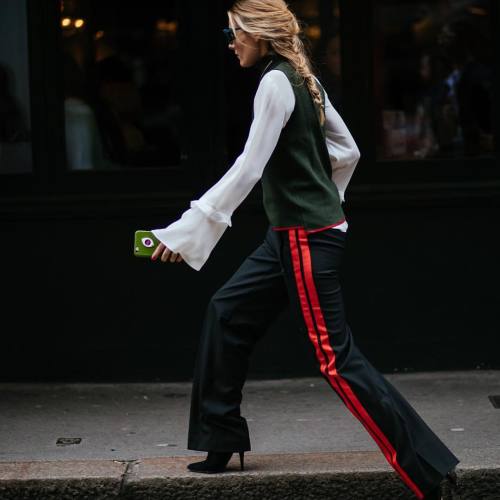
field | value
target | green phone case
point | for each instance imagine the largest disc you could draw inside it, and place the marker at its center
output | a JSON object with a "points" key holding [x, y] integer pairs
{"points": [[145, 243]]}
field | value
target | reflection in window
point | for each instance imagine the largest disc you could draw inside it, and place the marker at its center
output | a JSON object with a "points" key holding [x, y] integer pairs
{"points": [[15, 145], [433, 66], [121, 99]]}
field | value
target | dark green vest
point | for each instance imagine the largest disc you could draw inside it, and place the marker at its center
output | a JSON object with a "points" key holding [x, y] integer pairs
{"points": [[296, 182]]}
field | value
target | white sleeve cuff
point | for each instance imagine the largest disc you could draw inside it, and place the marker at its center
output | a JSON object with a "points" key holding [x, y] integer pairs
{"points": [[194, 236], [211, 212]]}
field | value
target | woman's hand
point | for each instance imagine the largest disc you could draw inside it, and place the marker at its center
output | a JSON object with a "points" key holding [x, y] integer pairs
{"points": [[166, 254]]}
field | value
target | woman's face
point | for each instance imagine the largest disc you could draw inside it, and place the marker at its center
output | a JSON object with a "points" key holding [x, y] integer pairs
{"points": [[247, 48]]}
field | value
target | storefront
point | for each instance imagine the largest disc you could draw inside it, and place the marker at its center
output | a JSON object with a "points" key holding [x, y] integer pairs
{"points": [[115, 114]]}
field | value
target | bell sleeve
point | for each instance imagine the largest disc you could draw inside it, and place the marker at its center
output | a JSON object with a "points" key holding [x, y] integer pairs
{"points": [[201, 226]]}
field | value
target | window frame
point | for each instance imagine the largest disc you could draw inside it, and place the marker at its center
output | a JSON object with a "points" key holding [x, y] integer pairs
{"points": [[372, 174], [204, 154], [51, 178]]}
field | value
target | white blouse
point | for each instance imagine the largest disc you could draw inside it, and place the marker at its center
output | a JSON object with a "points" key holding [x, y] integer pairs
{"points": [[201, 226]]}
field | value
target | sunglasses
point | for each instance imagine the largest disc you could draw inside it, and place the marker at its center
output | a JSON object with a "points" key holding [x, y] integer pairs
{"points": [[229, 34]]}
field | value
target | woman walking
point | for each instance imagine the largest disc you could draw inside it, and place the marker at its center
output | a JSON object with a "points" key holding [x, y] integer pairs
{"points": [[302, 152]]}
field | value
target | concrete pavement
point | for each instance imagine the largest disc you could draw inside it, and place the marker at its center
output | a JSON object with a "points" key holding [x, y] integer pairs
{"points": [[129, 440]]}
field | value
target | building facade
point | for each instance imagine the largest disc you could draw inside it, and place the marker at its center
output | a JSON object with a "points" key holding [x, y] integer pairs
{"points": [[115, 114]]}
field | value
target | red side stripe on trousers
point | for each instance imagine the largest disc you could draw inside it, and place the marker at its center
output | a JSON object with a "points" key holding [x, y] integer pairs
{"points": [[327, 366]]}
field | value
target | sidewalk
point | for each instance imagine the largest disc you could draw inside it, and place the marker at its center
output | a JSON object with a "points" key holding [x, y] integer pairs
{"points": [[131, 440]]}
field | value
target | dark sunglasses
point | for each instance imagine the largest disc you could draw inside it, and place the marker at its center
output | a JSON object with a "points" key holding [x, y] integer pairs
{"points": [[229, 34]]}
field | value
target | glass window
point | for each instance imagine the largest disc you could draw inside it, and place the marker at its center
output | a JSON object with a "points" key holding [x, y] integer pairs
{"points": [[121, 82], [433, 69], [15, 116]]}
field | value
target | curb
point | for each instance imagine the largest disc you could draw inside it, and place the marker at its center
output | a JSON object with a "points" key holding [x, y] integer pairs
{"points": [[343, 476]]}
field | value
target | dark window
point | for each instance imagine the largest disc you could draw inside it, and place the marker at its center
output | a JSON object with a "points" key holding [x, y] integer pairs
{"points": [[433, 79], [121, 84], [15, 115]]}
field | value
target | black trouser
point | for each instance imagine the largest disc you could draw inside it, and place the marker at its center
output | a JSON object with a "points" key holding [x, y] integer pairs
{"points": [[301, 268]]}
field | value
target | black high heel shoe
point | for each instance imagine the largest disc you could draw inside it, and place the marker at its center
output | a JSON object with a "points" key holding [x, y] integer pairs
{"points": [[216, 461]]}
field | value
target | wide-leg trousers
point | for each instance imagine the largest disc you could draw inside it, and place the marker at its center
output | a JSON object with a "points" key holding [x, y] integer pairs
{"points": [[299, 269]]}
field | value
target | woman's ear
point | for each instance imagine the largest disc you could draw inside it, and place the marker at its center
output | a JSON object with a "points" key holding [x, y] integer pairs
{"points": [[265, 44]]}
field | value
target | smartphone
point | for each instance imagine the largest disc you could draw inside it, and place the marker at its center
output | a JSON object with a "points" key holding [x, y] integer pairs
{"points": [[145, 243]]}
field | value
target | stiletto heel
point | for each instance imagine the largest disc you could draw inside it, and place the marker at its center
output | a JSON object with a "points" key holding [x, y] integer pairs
{"points": [[242, 454]]}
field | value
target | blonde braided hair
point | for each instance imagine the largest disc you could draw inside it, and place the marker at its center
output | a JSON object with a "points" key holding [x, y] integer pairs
{"points": [[272, 21]]}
